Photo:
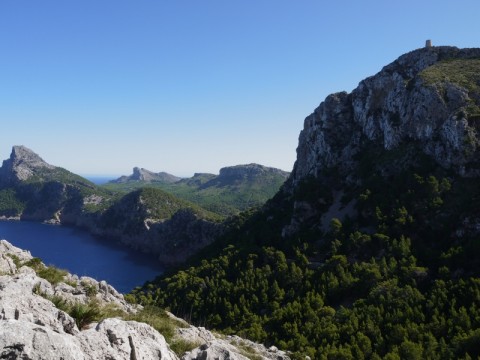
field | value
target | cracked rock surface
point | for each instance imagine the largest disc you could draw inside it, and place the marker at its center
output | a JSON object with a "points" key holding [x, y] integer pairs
{"points": [[32, 327]]}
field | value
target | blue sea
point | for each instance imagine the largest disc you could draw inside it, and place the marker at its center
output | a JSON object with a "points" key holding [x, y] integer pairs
{"points": [[80, 253], [100, 180]]}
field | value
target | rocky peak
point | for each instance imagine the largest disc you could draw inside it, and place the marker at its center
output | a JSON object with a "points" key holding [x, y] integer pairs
{"points": [[22, 164], [141, 174], [429, 97]]}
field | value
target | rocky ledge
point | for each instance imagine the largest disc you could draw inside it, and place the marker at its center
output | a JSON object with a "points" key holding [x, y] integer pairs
{"points": [[34, 326]]}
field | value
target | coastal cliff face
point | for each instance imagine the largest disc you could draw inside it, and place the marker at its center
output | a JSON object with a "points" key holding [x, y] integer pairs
{"points": [[429, 97], [153, 221], [147, 220], [32, 189]]}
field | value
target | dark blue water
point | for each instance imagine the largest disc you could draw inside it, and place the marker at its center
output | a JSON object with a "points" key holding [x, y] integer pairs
{"points": [[82, 254], [100, 180]]}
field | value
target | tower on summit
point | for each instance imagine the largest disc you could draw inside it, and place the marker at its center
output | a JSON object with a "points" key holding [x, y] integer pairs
{"points": [[428, 43]]}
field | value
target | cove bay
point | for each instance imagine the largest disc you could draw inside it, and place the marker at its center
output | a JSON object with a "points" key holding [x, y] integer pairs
{"points": [[80, 253]]}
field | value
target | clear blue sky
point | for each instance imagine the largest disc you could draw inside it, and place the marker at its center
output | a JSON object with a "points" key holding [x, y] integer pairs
{"points": [[100, 86]]}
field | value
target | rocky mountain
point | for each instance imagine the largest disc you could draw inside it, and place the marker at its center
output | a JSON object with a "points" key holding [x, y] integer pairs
{"points": [[146, 219], [370, 249], [22, 165], [31, 189], [429, 97], [146, 176], [424, 105], [47, 313], [235, 189]]}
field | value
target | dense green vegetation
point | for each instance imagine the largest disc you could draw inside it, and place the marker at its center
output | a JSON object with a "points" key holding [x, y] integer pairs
{"points": [[50, 189], [399, 281], [133, 208], [10, 205], [222, 196]]}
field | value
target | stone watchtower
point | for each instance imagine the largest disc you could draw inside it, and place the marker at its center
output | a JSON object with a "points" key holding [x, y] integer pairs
{"points": [[428, 43]]}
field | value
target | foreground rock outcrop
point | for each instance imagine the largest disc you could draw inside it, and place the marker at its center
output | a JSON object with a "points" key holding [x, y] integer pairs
{"points": [[213, 346], [33, 327]]}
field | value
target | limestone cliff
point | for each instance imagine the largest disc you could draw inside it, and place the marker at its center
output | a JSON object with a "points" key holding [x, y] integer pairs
{"points": [[429, 97], [32, 189], [156, 222], [22, 164]]}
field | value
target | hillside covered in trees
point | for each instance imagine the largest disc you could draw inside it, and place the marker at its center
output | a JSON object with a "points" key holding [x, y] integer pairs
{"points": [[371, 249], [234, 189]]}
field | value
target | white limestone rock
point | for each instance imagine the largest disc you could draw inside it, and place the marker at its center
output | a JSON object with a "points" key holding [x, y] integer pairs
{"points": [[25, 340], [118, 339], [235, 348], [31, 327], [7, 264], [22, 164], [19, 302], [212, 346]]}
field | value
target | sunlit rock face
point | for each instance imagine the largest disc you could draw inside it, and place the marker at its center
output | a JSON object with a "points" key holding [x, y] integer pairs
{"points": [[32, 327], [412, 100], [22, 164]]}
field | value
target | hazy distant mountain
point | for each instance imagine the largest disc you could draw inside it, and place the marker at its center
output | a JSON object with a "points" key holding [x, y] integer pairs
{"points": [[146, 176], [235, 189]]}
